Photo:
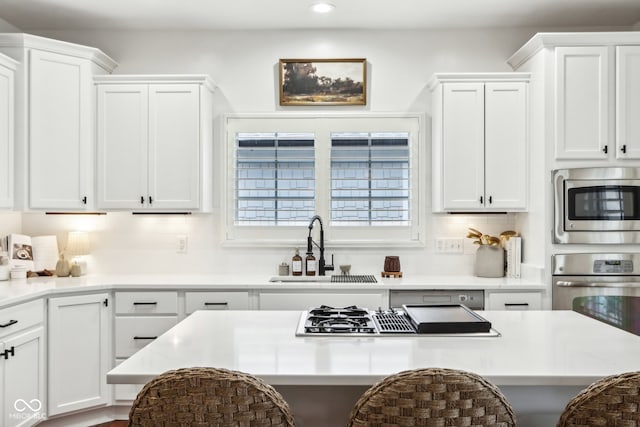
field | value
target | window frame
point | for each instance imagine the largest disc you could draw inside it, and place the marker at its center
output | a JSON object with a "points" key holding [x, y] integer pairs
{"points": [[323, 126]]}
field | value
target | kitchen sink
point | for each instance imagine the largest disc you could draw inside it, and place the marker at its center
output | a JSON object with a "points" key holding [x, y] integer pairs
{"points": [[336, 278]]}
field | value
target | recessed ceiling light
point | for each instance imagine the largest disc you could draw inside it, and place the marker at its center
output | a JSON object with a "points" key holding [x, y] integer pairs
{"points": [[322, 7]]}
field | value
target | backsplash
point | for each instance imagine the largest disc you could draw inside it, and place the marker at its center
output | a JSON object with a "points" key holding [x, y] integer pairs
{"points": [[123, 243]]}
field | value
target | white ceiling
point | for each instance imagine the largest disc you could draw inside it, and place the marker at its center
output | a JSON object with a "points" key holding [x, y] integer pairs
{"points": [[30, 15]]}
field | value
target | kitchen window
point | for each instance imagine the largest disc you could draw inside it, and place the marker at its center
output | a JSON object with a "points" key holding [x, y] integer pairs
{"points": [[275, 178], [361, 174], [370, 182]]}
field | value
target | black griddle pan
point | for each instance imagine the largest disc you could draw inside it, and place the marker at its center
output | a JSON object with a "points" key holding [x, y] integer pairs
{"points": [[445, 319]]}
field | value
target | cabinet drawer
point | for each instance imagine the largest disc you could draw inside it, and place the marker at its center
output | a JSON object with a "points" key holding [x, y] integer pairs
{"points": [[146, 303], [133, 333], [20, 317], [515, 301], [216, 301]]}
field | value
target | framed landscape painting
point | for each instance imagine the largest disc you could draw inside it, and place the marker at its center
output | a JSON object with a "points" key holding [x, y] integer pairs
{"points": [[323, 81]]}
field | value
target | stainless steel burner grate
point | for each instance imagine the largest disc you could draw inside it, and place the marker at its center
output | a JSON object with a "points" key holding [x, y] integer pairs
{"points": [[355, 278]]}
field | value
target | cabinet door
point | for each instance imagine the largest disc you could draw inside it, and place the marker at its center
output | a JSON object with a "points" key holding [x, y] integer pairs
{"points": [[6, 137], [628, 102], [60, 134], [79, 353], [463, 145], [174, 146], [22, 379], [505, 145], [583, 102], [122, 146]]}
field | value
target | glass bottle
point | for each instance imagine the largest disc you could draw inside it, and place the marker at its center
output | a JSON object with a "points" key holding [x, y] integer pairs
{"points": [[296, 264], [310, 264]]}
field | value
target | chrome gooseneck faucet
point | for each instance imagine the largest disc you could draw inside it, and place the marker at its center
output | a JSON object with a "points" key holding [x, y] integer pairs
{"points": [[322, 267]]}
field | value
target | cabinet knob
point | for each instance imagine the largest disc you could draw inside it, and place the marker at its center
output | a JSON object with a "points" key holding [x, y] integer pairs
{"points": [[624, 148], [605, 149], [142, 200]]}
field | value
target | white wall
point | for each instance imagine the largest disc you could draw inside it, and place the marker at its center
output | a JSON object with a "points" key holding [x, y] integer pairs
{"points": [[244, 66]]}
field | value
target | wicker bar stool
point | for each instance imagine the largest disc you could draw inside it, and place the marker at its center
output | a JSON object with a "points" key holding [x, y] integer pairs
{"points": [[212, 397], [432, 397], [612, 401]]}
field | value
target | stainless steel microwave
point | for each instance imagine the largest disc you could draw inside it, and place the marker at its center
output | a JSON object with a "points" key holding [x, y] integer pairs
{"points": [[597, 205]]}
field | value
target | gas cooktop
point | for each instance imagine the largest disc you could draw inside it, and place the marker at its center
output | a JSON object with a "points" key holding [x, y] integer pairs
{"points": [[412, 320]]}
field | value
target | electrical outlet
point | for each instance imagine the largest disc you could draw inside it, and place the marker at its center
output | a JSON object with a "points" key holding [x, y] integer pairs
{"points": [[182, 244], [449, 245]]}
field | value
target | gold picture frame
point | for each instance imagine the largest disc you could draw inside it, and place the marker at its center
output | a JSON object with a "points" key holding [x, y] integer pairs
{"points": [[323, 81]]}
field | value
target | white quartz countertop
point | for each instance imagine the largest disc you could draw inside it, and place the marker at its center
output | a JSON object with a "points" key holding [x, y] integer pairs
{"points": [[16, 291], [536, 348]]}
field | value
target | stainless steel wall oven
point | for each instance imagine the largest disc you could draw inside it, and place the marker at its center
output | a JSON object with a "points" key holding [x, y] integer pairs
{"points": [[597, 205], [576, 277]]}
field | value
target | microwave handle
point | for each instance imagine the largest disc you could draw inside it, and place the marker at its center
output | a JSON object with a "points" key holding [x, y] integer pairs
{"points": [[594, 284]]}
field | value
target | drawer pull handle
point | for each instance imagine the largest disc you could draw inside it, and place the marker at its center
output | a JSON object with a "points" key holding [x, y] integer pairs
{"points": [[145, 303], [516, 304], [216, 303], [9, 323], [144, 338]]}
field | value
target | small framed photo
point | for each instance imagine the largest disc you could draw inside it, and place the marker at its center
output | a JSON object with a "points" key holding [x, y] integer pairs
{"points": [[323, 81]]}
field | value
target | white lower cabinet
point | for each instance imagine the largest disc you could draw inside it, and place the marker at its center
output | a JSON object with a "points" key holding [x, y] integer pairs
{"points": [[140, 317], [79, 352], [22, 365], [305, 300], [513, 301]]}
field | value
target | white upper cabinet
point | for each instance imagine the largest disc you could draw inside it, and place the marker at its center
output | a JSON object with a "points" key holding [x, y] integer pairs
{"points": [[479, 142], [7, 102], [54, 135], [154, 142], [60, 132], [587, 92], [628, 102], [583, 100]]}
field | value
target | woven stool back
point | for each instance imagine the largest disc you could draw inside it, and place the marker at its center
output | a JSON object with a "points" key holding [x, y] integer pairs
{"points": [[211, 397], [612, 401], [432, 397]]}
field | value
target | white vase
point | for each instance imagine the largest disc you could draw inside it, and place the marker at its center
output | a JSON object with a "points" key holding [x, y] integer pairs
{"points": [[489, 261]]}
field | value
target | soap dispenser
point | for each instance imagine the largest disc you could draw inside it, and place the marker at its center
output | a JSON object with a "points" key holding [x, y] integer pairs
{"points": [[310, 264], [296, 264]]}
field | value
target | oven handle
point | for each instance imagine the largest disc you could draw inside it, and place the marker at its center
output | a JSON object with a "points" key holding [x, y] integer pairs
{"points": [[569, 284]]}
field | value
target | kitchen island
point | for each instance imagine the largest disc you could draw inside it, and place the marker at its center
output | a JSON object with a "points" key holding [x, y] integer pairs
{"points": [[540, 361]]}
